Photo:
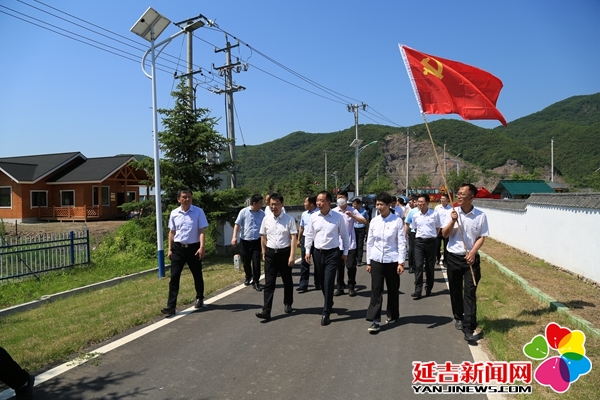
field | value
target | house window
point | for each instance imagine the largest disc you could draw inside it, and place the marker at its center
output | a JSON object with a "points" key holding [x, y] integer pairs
{"points": [[105, 195], [6, 197], [67, 198], [39, 199], [131, 196]]}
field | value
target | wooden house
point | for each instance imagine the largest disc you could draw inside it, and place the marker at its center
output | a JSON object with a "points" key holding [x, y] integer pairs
{"points": [[67, 186]]}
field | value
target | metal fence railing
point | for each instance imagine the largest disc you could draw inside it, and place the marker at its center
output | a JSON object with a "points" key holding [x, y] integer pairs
{"points": [[30, 255]]}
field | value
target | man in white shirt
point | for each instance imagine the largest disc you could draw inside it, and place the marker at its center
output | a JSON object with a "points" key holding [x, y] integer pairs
{"points": [[310, 205], [443, 209], [187, 224], [327, 231], [350, 215], [426, 223], [466, 230], [248, 224], [278, 239]]}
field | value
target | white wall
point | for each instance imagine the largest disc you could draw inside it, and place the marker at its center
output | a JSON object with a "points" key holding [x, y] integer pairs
{"points": [[563, 236]]}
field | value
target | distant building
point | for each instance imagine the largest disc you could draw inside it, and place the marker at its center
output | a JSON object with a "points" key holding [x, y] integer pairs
{"points": [[508, 189]]}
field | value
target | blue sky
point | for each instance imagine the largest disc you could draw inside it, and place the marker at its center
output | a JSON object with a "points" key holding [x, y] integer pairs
{"points": [[59, 95]]}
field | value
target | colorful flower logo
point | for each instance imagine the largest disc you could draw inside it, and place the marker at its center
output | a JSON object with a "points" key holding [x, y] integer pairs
{"points": [[559, 372]]}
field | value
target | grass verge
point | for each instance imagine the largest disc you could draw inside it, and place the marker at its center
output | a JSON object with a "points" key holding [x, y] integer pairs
{"points": [[510, 318], [62, 329]]}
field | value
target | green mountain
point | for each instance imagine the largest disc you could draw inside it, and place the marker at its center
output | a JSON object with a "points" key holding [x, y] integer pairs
{"points": [[297, 161]]}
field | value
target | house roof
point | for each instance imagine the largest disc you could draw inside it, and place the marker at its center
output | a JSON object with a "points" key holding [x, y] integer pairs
{"points": [[33, 168], [517, 188], [578, 200], [92, 170]]}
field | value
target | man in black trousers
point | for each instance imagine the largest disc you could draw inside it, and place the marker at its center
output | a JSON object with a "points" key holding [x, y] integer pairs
{"points": [[16, 377], [466, 230], [426, 223]]}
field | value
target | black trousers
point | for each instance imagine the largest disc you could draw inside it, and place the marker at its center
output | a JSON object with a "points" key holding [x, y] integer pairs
{"points": [[360, 243], [251, 255], [438, 244], [11, 373], [411, 249], [424, 260], [276, 262], [463, 298], [305, 267], [180, 256], [350, 265], [381, 272], [326, 266]]}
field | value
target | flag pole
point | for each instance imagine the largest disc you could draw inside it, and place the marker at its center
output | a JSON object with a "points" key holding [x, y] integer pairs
{"points": [[460, 231]]}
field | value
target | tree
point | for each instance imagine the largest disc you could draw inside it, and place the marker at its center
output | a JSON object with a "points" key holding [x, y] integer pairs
{"points": [[466, 175], [383, 184], [190, 145], [521, 176], [421, 181]]}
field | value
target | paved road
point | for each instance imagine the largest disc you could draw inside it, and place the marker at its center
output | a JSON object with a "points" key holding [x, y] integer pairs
{"points": [[225, 352]]}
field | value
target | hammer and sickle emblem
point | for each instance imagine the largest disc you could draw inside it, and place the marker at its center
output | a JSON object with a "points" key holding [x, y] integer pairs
{"points": [[429, 69]]}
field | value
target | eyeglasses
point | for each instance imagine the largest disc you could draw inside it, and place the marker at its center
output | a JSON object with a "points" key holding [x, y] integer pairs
{"points": [[463, 194]]}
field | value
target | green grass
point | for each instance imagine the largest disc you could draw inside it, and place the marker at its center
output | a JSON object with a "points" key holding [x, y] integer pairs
{"points": [[510, 318], [63, 329]]}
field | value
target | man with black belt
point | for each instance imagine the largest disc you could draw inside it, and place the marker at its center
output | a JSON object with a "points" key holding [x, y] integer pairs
{"points": [[443, 209], [426, 223], [350, 215], [467, 226], [249, 220], [186, 245], [325, 230], [410, 233], [278, 238], [310, 205]]}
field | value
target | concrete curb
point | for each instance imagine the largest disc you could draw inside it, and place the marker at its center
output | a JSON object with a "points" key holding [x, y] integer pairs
{"points": [[52, 297], [544, 298]]}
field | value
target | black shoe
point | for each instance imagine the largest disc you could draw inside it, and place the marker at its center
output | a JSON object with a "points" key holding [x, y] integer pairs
{"points": [[416, 295], [287, 309], [374, 328], [352, 291], [427, 293], [339, 292], [257, 287], [247, 282], [199, 303], [458, 325], [471, 337], [318, 287], [26, 392], [301, 289], [325, 320], [168, 311], [263, 315]]}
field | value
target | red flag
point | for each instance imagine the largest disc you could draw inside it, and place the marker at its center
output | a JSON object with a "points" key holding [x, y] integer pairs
{"points": [[445, 87]]}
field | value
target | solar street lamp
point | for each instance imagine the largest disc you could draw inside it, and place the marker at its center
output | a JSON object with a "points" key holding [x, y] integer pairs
{"points": [[149, 27]]}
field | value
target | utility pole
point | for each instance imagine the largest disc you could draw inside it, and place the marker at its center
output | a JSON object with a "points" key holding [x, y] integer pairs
{"points": [[325, 152], [445, 166], [189, 26], [552, 162], [230, 88], [356, 142]]}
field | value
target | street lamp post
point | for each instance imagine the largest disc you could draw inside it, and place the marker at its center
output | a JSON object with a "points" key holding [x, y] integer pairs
{"points": [[150, 25]]}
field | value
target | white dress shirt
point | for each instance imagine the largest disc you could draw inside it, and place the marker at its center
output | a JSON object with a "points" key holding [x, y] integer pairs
{"points": [[426, 224], [326, 232], [349, 221], [473, 224], [278, 230], [386, 241]]}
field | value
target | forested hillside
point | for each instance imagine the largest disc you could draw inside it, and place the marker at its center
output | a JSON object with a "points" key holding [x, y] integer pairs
{"points": [[295, 164]]}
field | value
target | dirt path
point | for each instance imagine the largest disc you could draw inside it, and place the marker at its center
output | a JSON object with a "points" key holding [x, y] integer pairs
{"points": [[581, 297]]}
